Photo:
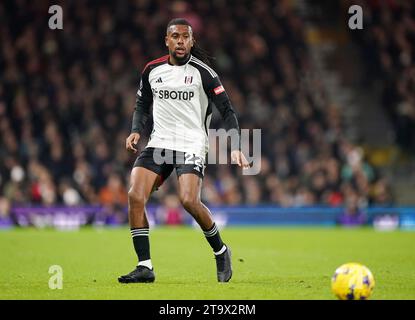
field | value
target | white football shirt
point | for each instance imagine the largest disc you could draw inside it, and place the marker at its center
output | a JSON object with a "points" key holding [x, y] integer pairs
{"points": [[182, 103]]}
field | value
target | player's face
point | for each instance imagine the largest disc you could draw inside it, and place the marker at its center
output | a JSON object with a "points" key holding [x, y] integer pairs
{"points": [[179, 40]]}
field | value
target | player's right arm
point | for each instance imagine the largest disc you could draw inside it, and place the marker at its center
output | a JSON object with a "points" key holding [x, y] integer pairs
{"points": [[143, 101]]}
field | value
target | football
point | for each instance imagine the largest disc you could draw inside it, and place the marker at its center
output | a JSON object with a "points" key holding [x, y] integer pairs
{"points": [[352, 281]]}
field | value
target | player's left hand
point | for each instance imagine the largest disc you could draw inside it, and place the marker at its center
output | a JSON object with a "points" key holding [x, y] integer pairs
{"points": [[238, 157]]}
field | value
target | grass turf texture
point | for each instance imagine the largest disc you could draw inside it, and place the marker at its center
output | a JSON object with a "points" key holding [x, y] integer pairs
{"points": [[268, 263]]}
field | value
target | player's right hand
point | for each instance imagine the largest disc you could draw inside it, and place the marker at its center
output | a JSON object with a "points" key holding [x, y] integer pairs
{"points": [[131, 142]]}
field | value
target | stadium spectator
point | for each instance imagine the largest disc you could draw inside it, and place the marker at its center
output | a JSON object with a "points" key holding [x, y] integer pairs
{"points": [[171, 213], [388, 46], [353, 215], [113, 196], [114, 192], [5, 220]]}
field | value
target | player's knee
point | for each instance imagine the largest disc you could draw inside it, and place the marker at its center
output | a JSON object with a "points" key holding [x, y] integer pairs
{"points": [[136, 198], [189, 201]]}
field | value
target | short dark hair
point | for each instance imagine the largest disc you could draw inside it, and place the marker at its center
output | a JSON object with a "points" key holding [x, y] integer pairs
{"points": [[180, 21]]}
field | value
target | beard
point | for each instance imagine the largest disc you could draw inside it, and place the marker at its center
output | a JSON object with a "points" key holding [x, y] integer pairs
{"points": [[181, 60]]}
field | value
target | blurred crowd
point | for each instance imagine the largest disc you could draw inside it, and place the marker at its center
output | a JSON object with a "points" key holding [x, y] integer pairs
{"points": [[67, 98], [388, 45]]}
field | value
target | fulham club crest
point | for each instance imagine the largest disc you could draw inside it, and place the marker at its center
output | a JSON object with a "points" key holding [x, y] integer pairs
{"points": [[188, 80]]}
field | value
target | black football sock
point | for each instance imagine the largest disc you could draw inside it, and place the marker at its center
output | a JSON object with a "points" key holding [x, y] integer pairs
{"points": [[213, 237], [141, 243]]}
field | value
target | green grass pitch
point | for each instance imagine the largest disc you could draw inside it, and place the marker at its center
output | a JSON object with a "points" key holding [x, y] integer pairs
{"points": [[268, 263]]}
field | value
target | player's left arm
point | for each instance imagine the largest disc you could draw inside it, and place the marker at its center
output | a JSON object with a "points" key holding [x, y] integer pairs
{"points": [[222, 102]]}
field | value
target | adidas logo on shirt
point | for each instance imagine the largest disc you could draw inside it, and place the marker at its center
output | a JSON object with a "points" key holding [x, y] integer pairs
{"points": [[159, 80]]}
